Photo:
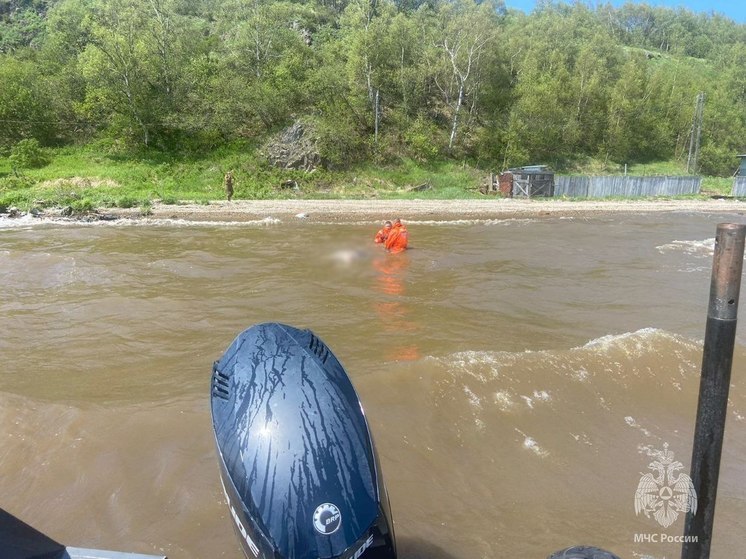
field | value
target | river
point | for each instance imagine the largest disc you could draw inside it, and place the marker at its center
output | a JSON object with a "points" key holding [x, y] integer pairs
{"points": [[518, 375]]}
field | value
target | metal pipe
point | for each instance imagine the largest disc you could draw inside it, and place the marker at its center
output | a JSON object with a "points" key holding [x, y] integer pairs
{"points": [[717, 358]]}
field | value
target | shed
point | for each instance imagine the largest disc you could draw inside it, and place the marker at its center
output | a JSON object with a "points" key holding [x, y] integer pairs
{"points": [[533, 180], [742, 167]]}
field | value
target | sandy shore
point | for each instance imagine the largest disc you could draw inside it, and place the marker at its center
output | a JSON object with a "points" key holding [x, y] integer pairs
{"points": [[249, 210]]}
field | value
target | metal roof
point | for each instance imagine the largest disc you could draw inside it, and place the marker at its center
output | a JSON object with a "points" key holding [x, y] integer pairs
{"points": [[531, 169]]}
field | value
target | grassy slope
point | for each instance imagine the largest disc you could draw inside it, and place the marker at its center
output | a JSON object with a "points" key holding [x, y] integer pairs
{"points": [[84, 178]]}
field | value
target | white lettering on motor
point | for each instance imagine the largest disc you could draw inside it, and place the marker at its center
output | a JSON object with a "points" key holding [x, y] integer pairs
{"points": [[366, 544], [252, 546], [244, 534]]}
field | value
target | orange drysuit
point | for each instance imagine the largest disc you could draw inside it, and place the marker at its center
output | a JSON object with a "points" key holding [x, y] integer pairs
{"points": [[398, 239], [383, 234]]}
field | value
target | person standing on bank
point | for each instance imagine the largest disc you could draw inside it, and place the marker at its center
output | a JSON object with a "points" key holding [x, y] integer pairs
{"points": [[228, 182]]}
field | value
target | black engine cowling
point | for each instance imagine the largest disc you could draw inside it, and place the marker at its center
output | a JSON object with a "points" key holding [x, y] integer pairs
{"points": [[297, 460]]}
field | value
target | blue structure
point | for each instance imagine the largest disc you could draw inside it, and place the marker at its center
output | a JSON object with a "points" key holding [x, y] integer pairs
{"points": [[742, 167]]}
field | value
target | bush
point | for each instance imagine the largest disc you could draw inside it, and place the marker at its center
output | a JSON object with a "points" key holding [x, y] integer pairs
{"points": [[340, 143], [127, 202], [8, 184], [422, 138], [82, 206], [27, 154]]}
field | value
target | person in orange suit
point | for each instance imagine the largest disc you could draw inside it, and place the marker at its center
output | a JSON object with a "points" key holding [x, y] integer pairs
{"points": [[398, 238], [383, 234]]}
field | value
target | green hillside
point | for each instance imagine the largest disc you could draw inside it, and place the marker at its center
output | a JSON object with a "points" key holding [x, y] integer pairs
{"points": [[158, 98]]}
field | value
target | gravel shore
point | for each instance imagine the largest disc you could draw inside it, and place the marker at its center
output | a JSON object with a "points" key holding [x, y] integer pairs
{"points": [[377, 210], [492, 208]]}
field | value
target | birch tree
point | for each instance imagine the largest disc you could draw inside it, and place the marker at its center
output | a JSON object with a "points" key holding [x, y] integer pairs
{"points": [[262, 59], [112, 64], [134, 64], [370, 56], [466, 31]]}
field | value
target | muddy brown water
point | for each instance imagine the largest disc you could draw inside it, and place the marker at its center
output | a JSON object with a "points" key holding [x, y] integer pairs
{"points": [[516, 373]]}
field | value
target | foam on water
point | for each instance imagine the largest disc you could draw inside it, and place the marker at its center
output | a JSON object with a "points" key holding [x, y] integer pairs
{"points": [[610, 384], [504, 400], [30, 222], [432, 222], [24, 222], [635, 342], [629, 420], [179, 223], [613, 354], [581, 438], [539, 396], [529, 443], [266, 221], [700, 248], [641, 342], [473, 399], [473, 221]]}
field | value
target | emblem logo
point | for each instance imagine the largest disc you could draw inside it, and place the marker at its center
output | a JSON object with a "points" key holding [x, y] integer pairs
{"points": [[327, 519], [665, 493]]}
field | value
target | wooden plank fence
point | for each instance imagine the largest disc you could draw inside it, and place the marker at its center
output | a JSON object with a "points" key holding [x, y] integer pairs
{"points": [[739, 186], [624, 186]]}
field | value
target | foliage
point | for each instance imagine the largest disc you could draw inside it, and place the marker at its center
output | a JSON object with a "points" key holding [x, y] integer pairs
{"points": [[15, 183], [23, 27], [382, 79], [27, 154], [421, 139], [25, 103]]}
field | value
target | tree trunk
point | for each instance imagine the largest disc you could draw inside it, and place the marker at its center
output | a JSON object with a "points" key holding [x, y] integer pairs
{"points": [[459, 100]]}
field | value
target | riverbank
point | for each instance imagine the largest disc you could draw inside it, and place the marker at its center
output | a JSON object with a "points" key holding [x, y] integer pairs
{"points": [[248, 210], [341, 210]]}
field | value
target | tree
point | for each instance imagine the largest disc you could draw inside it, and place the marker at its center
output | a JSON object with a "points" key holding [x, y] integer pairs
{"points": [[633, 129], [466, 30], [724, 127], [557, 86], [115, 66], [258, 64], [673, 87], [134, 64], [365, 25], [406, 81], [27, 154], [25, 107], [22, 29]]}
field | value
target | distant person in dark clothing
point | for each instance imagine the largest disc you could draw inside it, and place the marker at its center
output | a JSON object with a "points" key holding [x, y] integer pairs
{"points": [[228, 181]]}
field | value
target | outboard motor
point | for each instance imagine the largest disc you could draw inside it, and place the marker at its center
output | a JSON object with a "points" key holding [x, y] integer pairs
{"points": [[297, 460]]}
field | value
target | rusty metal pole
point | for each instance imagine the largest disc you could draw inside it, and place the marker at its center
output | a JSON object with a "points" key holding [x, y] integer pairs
{"points": [[717, 358]]}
